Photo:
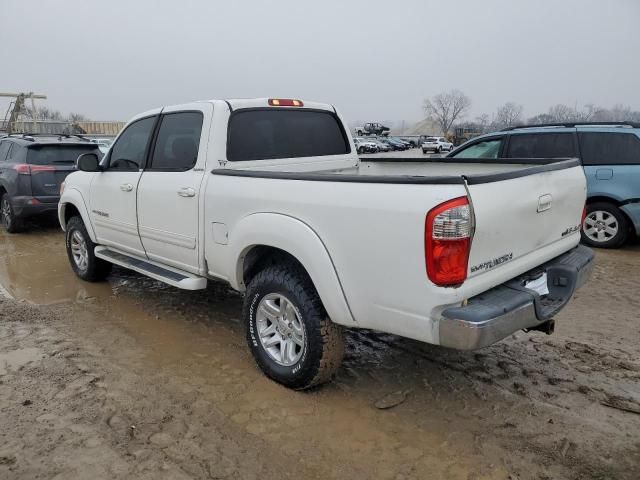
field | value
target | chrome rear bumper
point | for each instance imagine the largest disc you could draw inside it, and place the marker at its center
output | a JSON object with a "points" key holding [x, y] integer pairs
{"points": [[507, 308]]}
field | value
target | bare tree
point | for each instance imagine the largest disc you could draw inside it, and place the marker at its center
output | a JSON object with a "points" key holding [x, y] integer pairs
{"points": [[588, 113], [76, 117], [562, 113], [43, 113], [540, 119], [482, 123], [446, 107], [508, 115]]}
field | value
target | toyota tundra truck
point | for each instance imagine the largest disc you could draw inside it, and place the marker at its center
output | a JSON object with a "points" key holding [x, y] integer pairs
{"points": [[270, 196]]}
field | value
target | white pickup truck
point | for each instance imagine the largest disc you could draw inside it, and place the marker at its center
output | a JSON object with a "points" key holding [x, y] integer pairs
{"points": [[270, 196]]}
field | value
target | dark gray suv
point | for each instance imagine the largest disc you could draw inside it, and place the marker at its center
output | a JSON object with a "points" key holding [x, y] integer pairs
{"points": [[32, 167]]}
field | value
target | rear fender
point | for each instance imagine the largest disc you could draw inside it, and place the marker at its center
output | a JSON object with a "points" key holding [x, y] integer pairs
{"points": [[632, 209], [298, 239], [71, 196]]}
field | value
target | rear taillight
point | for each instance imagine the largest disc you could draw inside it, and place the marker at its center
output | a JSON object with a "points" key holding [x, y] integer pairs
{"points": [[448, 231], [26, 169], [584, 215]]}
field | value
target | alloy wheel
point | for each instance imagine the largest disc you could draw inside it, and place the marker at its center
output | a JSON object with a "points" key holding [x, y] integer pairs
{"points": [[600, 226], [6, 212], [79, 251], [280, 329]]}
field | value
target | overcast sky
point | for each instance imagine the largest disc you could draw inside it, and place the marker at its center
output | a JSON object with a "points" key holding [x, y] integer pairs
{"points": [[375, 60]]}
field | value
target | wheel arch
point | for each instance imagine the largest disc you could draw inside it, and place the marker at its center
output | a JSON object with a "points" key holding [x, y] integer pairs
{"points": [[71, 204], [615, 202], [266, 238]]}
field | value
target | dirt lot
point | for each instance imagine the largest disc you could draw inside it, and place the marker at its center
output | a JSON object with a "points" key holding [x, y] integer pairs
{"points": [[134, 379]]}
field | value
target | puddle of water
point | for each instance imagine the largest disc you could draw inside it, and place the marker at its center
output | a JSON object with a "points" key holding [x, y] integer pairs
{"points": [[15, 359], [34, 267], [198, 338]]}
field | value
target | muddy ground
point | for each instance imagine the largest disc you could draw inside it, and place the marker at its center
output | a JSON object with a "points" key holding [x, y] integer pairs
{"points": [[134, 379]]}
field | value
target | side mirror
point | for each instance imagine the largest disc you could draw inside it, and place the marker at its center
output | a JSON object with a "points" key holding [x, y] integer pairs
{"points": [[88, 162]]}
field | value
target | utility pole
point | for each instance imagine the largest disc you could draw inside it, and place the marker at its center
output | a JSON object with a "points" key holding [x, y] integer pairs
{"points": [[19, 105]]}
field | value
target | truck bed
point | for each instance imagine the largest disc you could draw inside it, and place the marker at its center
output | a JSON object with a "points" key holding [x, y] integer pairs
{"points": [[369, 216]]}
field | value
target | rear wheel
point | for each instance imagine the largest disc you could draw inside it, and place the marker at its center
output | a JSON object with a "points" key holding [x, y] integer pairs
{"points": [[80, 250], [292, 339], [437, 149], [9, 219], [604, 226]]}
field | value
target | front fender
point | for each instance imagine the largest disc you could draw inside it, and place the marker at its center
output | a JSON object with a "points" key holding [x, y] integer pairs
{"points": [[300, 240], [72, 196]]}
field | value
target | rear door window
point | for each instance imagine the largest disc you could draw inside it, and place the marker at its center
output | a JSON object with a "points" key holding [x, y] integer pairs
{"points": [[602, 148], [489, 148], [177, 142], [541, 145], [279, 133], [58, 154]]}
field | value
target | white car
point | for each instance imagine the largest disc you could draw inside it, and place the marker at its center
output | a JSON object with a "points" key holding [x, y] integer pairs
{"points": [[270, 196], [364, 145], [437, 145]]}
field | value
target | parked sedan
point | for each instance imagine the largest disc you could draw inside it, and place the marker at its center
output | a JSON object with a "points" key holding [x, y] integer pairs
{"points": [[406, 143], [437, 145], [382, 147], [393, 144]]}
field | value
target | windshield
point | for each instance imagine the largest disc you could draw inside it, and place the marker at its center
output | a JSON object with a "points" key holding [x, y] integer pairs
{"points": [[53, 154]]}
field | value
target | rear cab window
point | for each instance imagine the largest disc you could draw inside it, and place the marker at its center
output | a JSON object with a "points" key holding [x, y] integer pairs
{"points": [[609, 148], [262, 134]]}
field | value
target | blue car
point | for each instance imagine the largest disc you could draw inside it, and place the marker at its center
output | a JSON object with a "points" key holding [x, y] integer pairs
{"points": [[610, 156]]}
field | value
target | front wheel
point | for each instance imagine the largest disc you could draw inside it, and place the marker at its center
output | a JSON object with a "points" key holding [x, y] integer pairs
{"points": [[80, 250], [292, 339], [9, 219], [604, 226]]}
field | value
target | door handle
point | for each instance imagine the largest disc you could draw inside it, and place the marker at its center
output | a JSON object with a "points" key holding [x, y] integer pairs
{"points": [[187, 192], [126, 187]]}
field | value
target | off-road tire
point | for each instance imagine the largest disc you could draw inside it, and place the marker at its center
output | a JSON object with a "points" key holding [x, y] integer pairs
{"points": [[11, 223], [324, 342], [97, 269], [623, 226]]}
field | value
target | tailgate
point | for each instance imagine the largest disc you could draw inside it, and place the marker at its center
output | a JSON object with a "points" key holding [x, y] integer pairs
{"points": [[46, 180], [525, 220], [50, 163]]}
